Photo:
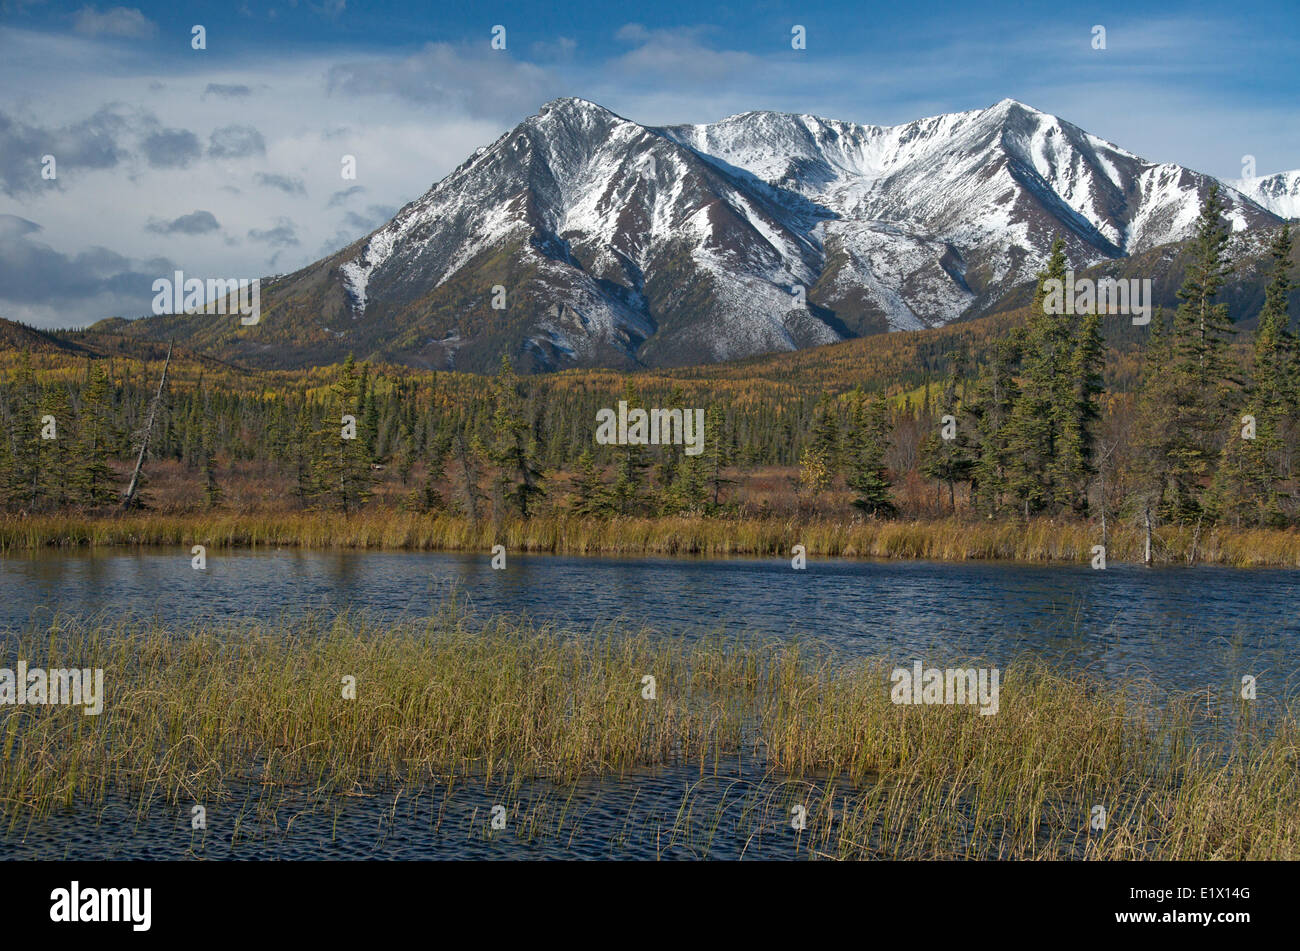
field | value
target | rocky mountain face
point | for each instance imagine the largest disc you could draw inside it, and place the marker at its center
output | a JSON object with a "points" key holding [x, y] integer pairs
{"points": [[1279, 193], [581, 238]]}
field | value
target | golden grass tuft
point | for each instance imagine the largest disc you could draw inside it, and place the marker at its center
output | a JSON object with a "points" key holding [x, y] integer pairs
{"points": [[196, 715], [1036, 540]]}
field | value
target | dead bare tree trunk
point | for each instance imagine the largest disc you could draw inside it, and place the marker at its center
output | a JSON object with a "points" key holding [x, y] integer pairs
{"points": [[1101, 476], [129, 499], [471, 490], [1146, 512], [1104, 539]]}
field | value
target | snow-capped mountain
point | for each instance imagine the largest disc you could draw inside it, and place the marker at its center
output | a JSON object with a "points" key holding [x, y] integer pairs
{"points": [[1279, 193], [619, 244]]}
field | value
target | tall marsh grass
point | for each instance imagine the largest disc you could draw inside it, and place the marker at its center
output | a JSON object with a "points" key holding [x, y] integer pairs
{"points": [[200, 714], [1039, 540]]}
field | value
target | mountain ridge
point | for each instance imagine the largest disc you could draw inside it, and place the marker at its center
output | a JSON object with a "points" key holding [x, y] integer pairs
{"points": [[1279, 192], [623, 245]]}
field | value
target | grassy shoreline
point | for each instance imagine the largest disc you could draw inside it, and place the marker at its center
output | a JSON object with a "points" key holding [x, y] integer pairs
{"points": [[1035, 540], [193, 716]]}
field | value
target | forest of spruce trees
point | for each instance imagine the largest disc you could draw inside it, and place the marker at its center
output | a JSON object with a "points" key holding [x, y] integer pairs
{"points": [[1027, 427]]}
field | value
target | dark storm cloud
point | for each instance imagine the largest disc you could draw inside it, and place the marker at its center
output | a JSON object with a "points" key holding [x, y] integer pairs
{"points": [[171, 148], [91, 143], [227, 91], [236, 141], [340, 197], [32, 272], [284, 234], [375, 216], [289, 184], [196, 222], [12, 227]]}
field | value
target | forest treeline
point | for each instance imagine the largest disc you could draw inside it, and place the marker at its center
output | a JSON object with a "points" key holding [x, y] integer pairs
{"points": [[1207, 435]]}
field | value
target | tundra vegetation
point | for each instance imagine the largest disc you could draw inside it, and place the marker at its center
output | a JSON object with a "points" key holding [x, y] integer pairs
{"points": [[1033, 436]]}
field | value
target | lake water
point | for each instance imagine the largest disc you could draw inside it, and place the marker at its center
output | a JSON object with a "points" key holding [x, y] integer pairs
{"points": [[1182, 628]]}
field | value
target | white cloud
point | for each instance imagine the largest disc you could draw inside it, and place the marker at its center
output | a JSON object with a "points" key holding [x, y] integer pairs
{"points": [[478, 81], [272, 132], [125, 22], [267, 173]]}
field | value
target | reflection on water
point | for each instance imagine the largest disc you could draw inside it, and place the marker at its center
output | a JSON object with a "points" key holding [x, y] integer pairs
{"points": [[1183, 628]]}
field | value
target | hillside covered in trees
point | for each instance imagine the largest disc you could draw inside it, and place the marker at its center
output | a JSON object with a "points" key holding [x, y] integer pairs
{"points": [[1190, 420]]}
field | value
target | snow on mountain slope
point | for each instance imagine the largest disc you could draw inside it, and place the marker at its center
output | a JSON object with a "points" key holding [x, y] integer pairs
{"points": [[618, 244], [593, 203], [1279, 193], [994, 183]]}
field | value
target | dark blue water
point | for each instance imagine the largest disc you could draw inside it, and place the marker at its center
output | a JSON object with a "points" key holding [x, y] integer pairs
{"points": [[1183, 628], [1180, 627], [667, 813]]}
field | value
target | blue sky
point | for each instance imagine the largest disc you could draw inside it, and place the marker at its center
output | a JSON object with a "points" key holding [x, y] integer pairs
{"points": [[225, 161]]}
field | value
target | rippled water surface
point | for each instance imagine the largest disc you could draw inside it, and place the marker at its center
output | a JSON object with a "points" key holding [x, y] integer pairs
{"points": [[1183, 628]]}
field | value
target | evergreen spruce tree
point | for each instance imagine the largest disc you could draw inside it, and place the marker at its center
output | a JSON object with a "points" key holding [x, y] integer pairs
{"points": [[25, 437], [711, 463], [1276, 392], [692, 486], [1249, 480], [468, 453], [868, 442], [211, 488], [341, 465], [628, 492], [56, 455], [1195, 399], [513, 449], [1073, 469], [8, 471], [428, 498], [826, 433], [368, 418], [949, 461], [301, 456], [1242, 491], [1153, 434], [982, 451], [1275, 381], [1035, 427], [93, 482], [589, 494], [406, 452]]}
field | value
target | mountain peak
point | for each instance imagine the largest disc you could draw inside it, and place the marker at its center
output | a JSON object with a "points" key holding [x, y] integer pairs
{"points": [[1014, 107], [577, 116], [1279, 192], [626, 245], [573, 105]]}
